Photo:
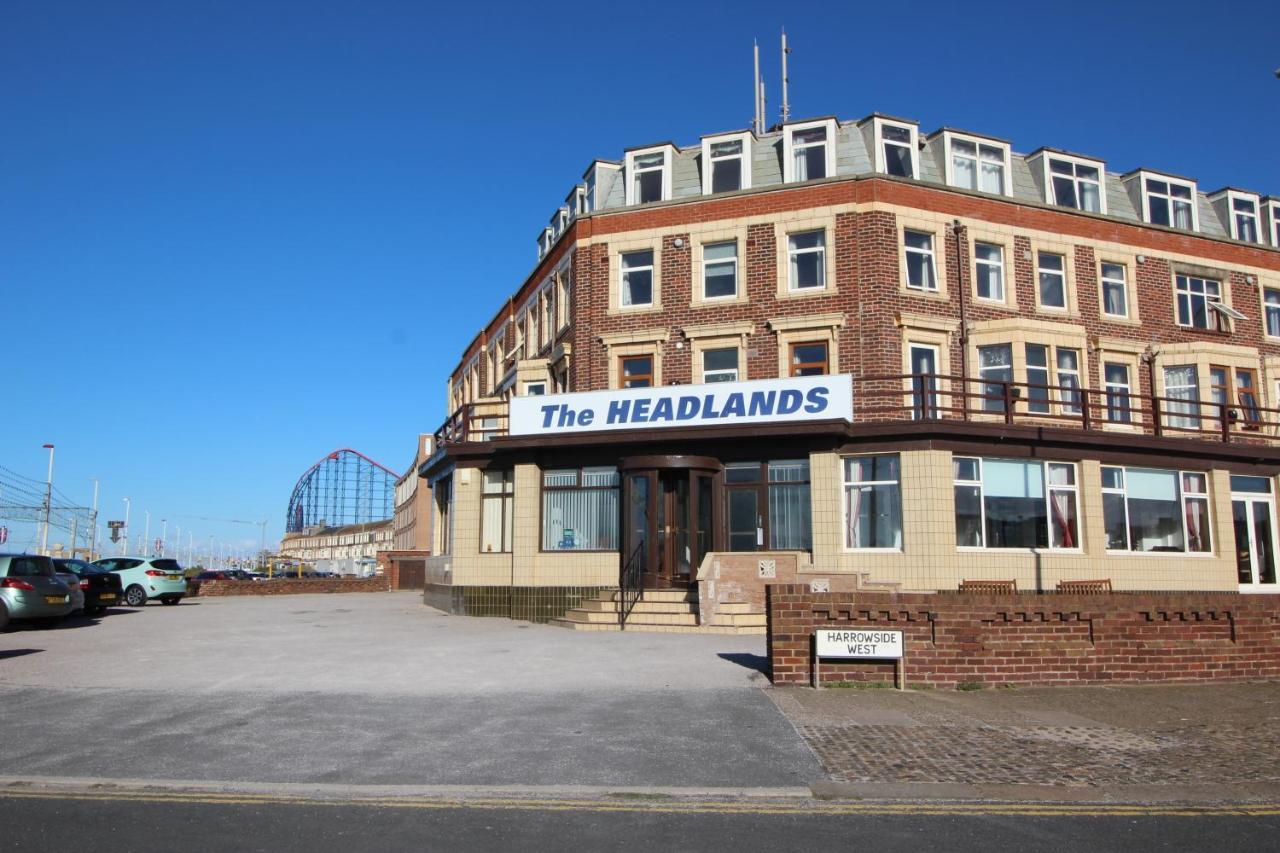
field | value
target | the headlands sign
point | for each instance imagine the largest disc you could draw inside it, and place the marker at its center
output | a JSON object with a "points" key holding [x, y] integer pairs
{"points": [[798, 399]]}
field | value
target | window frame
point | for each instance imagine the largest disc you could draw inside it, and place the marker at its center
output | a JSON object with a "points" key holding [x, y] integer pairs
{"points": [[1147, 195], [789, 148], [1273, 211], [1181, 475], [709, 160], [1232, 196], [1076, 161], [793, 366], [737, 361], [1103, 280], [1107, 385], [949, 138], [999, 267], [505, 498], [633, 173], [736, 269], [622, 374], [820, 251], [879, 123], [764, 489], [847, 486], [623, 283], [1270, 309], [931, 253], [1214, 322], [1048, 487], [578, 486], [1062, 273]]}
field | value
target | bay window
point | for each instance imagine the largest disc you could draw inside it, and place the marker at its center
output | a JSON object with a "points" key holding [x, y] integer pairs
{"points": [[1182, 394], [872, 502], [1116, 385], [580, 509], [995, 367], [497, 504], [1154, 510], [1011, 503]]}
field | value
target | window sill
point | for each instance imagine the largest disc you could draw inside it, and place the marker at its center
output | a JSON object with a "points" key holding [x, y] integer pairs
{"points": [[654, 308], [874, 551], [1070, 552], [805, 292], [923, 294], [1195, 555]]}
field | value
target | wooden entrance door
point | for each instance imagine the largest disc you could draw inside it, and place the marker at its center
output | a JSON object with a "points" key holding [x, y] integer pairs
{"points": [[669, 524]]}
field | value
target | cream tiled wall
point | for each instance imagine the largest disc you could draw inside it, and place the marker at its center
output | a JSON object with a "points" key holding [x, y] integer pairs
{"points": [[929, 559]]}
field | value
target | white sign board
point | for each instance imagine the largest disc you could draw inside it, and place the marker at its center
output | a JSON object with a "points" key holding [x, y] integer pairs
{"points": [[858, 643], [792, 400]]}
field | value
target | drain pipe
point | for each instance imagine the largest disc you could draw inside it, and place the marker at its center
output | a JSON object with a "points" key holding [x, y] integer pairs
{"points": [[956, 228]]}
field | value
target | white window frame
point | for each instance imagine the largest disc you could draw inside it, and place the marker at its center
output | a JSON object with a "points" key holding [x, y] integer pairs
{"points": [[1214, 323], [529, 386], [736, 269], [1270, 308], [848, 485], [878, 125], [622, 278], [1049, 489], [575, 201], [949, 138], [1274, 208], [1104, 280], [1050, 195], [932, 253], [708, 142], [726, 370], [821, 251], [545, 239], [1147, 195], [999, 267], [1066, 295], [559, 220], [667, 153], [1182, 514], [1232, 197], [1124, 392], [788, 147]]}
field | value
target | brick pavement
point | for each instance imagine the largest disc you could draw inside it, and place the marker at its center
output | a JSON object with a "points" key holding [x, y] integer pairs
{"points": [[1074, 737]]}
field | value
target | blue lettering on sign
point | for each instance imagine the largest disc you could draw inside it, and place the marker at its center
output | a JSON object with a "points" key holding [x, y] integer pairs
{"points": [[663, 411], [817, 398], [735, 406], [618, 411], [789, 401], [548, 412], [762, 403], [687, 409], [586, 417], [641, 413], [708, 407]]}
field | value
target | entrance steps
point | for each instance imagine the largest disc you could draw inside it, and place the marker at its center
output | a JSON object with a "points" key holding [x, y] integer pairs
{"points": [[667, 611]]}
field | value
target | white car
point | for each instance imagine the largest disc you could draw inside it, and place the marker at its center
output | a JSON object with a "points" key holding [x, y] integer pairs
{"points": [[145, 579]]}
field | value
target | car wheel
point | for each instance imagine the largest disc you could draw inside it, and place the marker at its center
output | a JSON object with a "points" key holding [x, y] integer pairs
{"points": [[135, 596], [170, 600]]}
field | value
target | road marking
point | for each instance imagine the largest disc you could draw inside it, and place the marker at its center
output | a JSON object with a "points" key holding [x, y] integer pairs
{"points": [[665, 806]]}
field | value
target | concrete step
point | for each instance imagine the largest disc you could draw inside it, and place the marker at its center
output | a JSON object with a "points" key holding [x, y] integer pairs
{"points": [[581, 616], [659, 595], [657, 629], [642, 606]]}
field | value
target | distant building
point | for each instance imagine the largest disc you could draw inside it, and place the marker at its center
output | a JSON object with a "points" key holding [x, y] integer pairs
{"points": [[348, 550], [405, 564]]}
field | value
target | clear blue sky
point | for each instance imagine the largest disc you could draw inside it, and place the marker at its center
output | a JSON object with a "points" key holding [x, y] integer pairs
{"points": [[235, 236]]}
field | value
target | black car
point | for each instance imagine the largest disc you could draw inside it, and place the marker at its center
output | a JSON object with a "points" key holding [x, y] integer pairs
{"points": [[101, 588]]}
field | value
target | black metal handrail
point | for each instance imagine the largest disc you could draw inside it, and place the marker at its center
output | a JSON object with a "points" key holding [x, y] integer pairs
{"points": [[630, 580]]}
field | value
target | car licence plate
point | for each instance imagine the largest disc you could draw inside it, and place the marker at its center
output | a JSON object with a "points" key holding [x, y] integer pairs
{"points": [[107, 596], [55, 599], [175, 577]]}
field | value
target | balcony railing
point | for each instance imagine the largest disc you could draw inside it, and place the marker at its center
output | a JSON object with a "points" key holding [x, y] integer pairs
{"points": [[938, 397]]}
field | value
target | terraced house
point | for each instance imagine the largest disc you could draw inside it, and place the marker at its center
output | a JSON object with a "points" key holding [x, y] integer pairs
{"points": [[862, 356]]}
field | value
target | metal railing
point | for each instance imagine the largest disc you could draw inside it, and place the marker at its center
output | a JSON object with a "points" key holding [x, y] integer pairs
{"points": [[630, 584], [978, 400]]}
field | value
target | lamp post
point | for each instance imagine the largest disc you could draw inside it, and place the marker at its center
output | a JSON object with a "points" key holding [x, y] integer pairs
{"points": [[146, 534], [48, 503], [93, 545], [124, 543], [164, 535]]}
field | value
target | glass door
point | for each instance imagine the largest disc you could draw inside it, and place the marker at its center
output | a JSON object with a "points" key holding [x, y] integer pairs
{"points": [[924, 381], [638, 532], [1253, 514]]}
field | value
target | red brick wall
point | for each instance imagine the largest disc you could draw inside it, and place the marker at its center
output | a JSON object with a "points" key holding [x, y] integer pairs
{"points": [[293, 586], [867, 275], [1029, 639]]}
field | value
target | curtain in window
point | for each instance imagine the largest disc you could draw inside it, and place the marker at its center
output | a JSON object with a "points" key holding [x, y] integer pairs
{"points": [[1182, 215], [790, 524], [1180, 388], [853, 529], [1194, 528], [580, 519], [1114, 296], [1064, 518]]}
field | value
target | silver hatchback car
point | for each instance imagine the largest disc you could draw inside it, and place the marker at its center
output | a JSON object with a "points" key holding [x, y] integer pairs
{"points": [[30, 589]]}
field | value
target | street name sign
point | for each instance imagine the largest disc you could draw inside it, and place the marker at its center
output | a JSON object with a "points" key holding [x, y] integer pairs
{"points": [[858, 643]]}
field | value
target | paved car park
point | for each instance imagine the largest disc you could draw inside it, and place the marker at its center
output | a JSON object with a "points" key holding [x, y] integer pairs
{"points": [[378, 689]]}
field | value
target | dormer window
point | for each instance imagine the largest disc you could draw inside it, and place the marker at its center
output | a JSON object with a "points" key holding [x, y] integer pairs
{"points": [[575, 201], [977, 164], [648, 176], [559, 221], [1170, 202], [1074, 182], [809, 151], [589, 192], [896, 151], [545, 239], [1244, 217], [1274, 207], [726, 163]]}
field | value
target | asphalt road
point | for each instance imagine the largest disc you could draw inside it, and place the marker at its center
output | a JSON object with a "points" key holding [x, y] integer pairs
{"points": [[108, 826]]}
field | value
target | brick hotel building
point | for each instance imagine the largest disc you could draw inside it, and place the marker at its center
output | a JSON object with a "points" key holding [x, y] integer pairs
{"points": [[1057, 373]]}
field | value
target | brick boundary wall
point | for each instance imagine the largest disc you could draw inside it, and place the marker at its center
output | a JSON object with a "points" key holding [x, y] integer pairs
{"points": [[295, 586], [954, 639]]}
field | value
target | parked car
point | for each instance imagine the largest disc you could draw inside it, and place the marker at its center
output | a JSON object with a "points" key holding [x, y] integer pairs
{"points": [[144, 579], [30, 589], [73, 587], [101, 588]]}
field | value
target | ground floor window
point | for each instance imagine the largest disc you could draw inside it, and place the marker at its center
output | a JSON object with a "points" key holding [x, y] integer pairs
{"points": [[872, 502], [1011, 503], [768, 505], [1149, 509], [442, 489], [580, 509], [497, 504]]}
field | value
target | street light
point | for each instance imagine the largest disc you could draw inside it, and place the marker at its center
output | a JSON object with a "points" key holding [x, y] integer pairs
{"points": [[146, 535], [48, 502], [164, 535], [124, 543], [93, 546]]}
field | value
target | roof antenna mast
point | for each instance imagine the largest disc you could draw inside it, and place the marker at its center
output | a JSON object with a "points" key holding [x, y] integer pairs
{"points": [[786, 105], [757, 97]]}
